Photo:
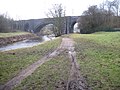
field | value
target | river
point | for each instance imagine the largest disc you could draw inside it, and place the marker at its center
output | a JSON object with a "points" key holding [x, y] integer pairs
{"points": [[25, 44]]}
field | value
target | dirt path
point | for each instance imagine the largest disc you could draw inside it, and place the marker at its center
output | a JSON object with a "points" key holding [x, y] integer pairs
{"points": [[75, 82]]}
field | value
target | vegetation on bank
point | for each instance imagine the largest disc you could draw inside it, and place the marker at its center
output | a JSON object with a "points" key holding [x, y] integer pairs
{"points": [[12, 62], [99, 57], [10, 34], [50, 76]]}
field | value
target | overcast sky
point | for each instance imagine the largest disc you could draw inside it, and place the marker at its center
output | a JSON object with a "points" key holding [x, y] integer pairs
{"points": [[34, 9]]}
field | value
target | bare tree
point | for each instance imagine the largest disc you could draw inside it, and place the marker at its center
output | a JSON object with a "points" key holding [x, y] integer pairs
{"points": [[6, 23], [91, 19], [114, 7], [96, 19], [105, 17], [58, 14]]}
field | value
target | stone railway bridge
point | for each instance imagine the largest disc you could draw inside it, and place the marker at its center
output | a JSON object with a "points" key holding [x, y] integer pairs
{"points": [[35, 25]]}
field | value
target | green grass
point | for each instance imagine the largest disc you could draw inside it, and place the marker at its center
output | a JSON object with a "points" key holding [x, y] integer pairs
{"points": [[49, 76], [99, 57], [2, 35], [11, 62]]}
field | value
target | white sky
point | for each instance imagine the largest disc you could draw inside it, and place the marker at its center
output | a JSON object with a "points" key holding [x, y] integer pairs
{"points": [[34, 9]]}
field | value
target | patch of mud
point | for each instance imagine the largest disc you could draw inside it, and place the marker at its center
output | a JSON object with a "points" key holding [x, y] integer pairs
{"points": [[61, 85], [75, 81]]}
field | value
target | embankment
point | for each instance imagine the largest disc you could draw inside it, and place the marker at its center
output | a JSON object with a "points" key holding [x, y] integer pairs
{"points": [[8, 40]]}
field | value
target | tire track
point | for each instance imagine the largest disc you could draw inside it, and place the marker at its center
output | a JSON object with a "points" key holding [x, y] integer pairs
{"points": [[75, 81]]}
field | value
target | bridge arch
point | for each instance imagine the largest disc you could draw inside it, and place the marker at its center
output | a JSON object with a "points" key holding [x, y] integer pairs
{"points": [[26, 27], [72, 26], [40, 26], [74, 21]]}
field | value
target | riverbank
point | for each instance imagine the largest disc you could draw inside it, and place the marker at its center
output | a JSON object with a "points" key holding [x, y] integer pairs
{"points": [[15, 37]]}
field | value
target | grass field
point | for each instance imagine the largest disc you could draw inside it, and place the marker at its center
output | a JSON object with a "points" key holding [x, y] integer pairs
{"points": [[13, 34], [50, 76], [11, 62], [99, 57]]}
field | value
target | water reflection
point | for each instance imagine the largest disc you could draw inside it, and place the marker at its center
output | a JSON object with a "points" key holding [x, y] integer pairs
{"points": [[47, 38]]}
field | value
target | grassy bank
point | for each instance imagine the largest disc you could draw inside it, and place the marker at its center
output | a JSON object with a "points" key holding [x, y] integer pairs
{"points": [[99, 57], [2, 35], [50, 76], [11, 62]]}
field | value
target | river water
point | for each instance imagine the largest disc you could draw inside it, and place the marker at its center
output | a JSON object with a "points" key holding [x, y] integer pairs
{"points": [[25, 44]]}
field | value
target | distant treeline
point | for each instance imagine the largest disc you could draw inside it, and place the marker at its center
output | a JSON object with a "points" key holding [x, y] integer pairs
{"points": [[105, 17], [6, 23]]}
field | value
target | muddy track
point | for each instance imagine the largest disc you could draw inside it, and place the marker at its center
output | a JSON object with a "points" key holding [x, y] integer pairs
{"points": [[75, 81]]}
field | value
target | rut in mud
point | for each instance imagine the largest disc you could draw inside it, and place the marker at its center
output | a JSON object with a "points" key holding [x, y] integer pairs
{"points": [[75, 81]]}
